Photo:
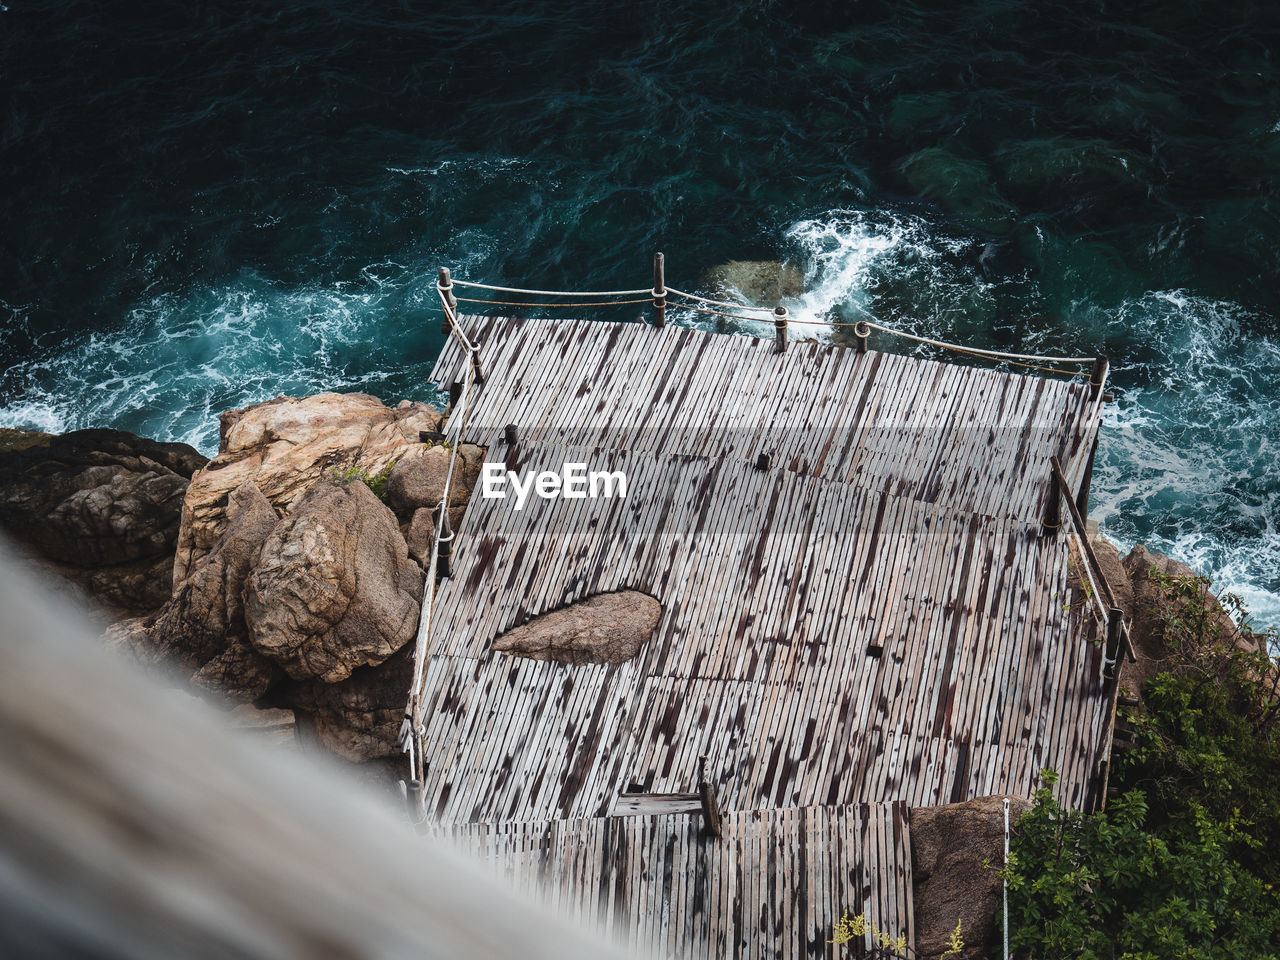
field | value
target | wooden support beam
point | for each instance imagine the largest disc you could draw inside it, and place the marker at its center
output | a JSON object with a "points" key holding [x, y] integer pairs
{"points": [[1052, 520], [1082, 498], [446, 291], [478, 373], [780, 328], [1097, 376], [706, 793], [1091, 558], [861, 331]]}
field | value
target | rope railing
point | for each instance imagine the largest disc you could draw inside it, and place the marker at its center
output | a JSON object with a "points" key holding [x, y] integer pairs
{"points": [[411, 729], [657, 296], [553, 293]]}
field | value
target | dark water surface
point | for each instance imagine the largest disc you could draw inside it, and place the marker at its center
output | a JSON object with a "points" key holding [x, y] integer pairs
{"points": [[209, 204]]}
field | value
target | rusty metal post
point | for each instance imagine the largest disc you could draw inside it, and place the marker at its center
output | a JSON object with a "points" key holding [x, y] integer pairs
{"points": [[659, 292], [414, 799], [446, 291], [444, 559], [1115, 623], [861, 331], [780, 329]]}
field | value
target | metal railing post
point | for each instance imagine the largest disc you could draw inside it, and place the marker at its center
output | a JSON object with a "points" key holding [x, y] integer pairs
{"points": [[1053, 509]]}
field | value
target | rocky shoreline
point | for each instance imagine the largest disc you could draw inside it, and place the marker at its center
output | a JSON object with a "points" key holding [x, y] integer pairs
{"points": [[271, 578]]}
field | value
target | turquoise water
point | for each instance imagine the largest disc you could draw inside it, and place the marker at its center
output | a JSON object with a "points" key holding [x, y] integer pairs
{"points": [[208, 205]]}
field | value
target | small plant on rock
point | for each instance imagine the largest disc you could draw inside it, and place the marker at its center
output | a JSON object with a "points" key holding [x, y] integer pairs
{"points": [[377, 482]]}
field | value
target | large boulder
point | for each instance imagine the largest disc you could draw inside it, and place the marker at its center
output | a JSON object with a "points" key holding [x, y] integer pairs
{"points": [[206, 612], [417, 482], [420, 536], [957, 851], [606, 628], [101, 508], [1150, 609], [288, 445], [762, 283], [200, 632], [418, 479], [333, 588], [359, 719]]}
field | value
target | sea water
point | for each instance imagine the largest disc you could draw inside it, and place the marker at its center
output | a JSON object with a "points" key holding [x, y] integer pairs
{"points": [[207, 205]]}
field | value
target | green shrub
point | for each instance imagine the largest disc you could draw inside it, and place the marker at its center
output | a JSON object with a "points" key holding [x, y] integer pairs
{"points": [[377, 482], [1183, 864]]}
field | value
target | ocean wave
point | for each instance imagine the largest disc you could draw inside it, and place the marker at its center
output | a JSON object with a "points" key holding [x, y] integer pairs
{"points": [[1186, 460], [178, 360]]}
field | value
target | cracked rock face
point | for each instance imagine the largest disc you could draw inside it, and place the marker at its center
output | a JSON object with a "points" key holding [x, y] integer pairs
{"points": [[288, 445], [334, 587], [206, 611], [606, 628], [359, 719]]}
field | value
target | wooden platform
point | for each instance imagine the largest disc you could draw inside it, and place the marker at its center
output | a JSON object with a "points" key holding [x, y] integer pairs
{"points": [[774, 885], [972, 439], [873, 619]]}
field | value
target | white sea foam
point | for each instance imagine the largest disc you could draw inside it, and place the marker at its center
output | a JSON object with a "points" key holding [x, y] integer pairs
{"points": [[1187, 462], [848, 253], [176, 361]]}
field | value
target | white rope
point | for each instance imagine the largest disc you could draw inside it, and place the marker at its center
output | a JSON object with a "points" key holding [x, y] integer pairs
{"points": [[1006, 878], [718, 303], [456, 426], [454, 326], [997, 354], [553, 293]]}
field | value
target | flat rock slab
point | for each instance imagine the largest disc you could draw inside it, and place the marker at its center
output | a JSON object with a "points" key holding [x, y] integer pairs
{"points": [[606, 628]]}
